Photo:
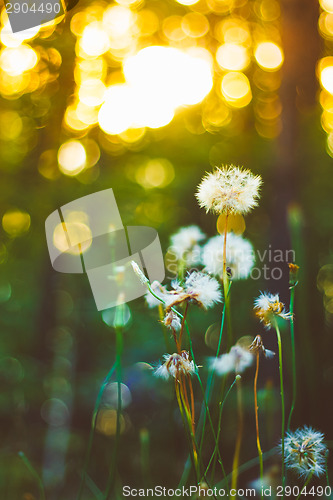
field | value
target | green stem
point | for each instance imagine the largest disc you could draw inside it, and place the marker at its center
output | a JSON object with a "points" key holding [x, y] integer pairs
{"points": [[209, 387], [92, 429], [221, 405], [235, 463], [226, 282], [34, 473], [292, 334], [305, 484], [261, 464], [119, 351], [282, 404]]}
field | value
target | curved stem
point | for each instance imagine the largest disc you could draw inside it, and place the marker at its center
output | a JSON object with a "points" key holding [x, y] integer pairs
{"points": [[239, 435], [292, 335], [261, 465], [282, 404], [34, 473]]}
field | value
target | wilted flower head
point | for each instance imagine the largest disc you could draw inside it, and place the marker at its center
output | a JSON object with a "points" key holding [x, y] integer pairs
{"points": [[257, 346], [305, 451], [172, 320], [184, 244], [175, 365], [237, 360], [293, 273], [239, 256], [229, 190], [268, 307]]}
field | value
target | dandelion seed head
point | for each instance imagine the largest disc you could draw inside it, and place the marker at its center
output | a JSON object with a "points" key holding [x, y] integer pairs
{"points": [[204, 289], [184, 244], [229, 190], [268, 307], [236, 360], [175, 365], [305, 452], [239, 256]]}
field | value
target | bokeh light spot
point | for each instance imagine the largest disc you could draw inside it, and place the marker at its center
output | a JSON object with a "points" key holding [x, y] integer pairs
{"points": [[16, 222], [72, 157], [269, 56]]}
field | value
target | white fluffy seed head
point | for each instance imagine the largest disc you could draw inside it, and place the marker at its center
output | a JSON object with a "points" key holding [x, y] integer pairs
{"points": [[239, 256], [158, 290], [236, 360], [305, 452], [204, 289], [268, 308], [185, 244], [230, 190]]}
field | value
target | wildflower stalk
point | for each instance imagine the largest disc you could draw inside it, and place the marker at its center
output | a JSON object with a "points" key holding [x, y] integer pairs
{"points": [[165, 333], [282, 402], [92, 429], [187, 420], [182, 328], [239, 434], [225, 280], [221, 405], [293, 351], [119, 351], [34, 473], [261, 464], [305, 484]]}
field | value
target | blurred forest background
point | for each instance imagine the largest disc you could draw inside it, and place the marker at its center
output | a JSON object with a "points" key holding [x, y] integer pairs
{"points": [[257, 92]]}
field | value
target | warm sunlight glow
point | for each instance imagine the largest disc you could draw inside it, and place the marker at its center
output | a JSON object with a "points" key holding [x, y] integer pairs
{"points": [[94, 41], [158, 80], [15, 61], [236, 89], [327, 5], [269, 56], [74, 235], [232, 56], [326, 78], [72, 157]]}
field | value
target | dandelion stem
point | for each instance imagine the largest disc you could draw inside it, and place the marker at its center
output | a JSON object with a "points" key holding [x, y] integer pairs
{"points": [[34, 473], [226, 281], [221, 405], [239, 434], [165, 333], [257, 422], [119, 351], [282, 404], [305, 484], [292, 334], [92, 429]]}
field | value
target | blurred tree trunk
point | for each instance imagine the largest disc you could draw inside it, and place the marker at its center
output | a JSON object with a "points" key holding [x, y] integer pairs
{"points": [[301, 43]]}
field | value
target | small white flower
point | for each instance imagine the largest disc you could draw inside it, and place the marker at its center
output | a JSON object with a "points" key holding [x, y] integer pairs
{"points": [[229, 190], [158, 290], [268, 307], [305, 451], [237, 360], [239, 256], [184, 244], [139, 273], [203, 289], [175, 365], [172, 321]]}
